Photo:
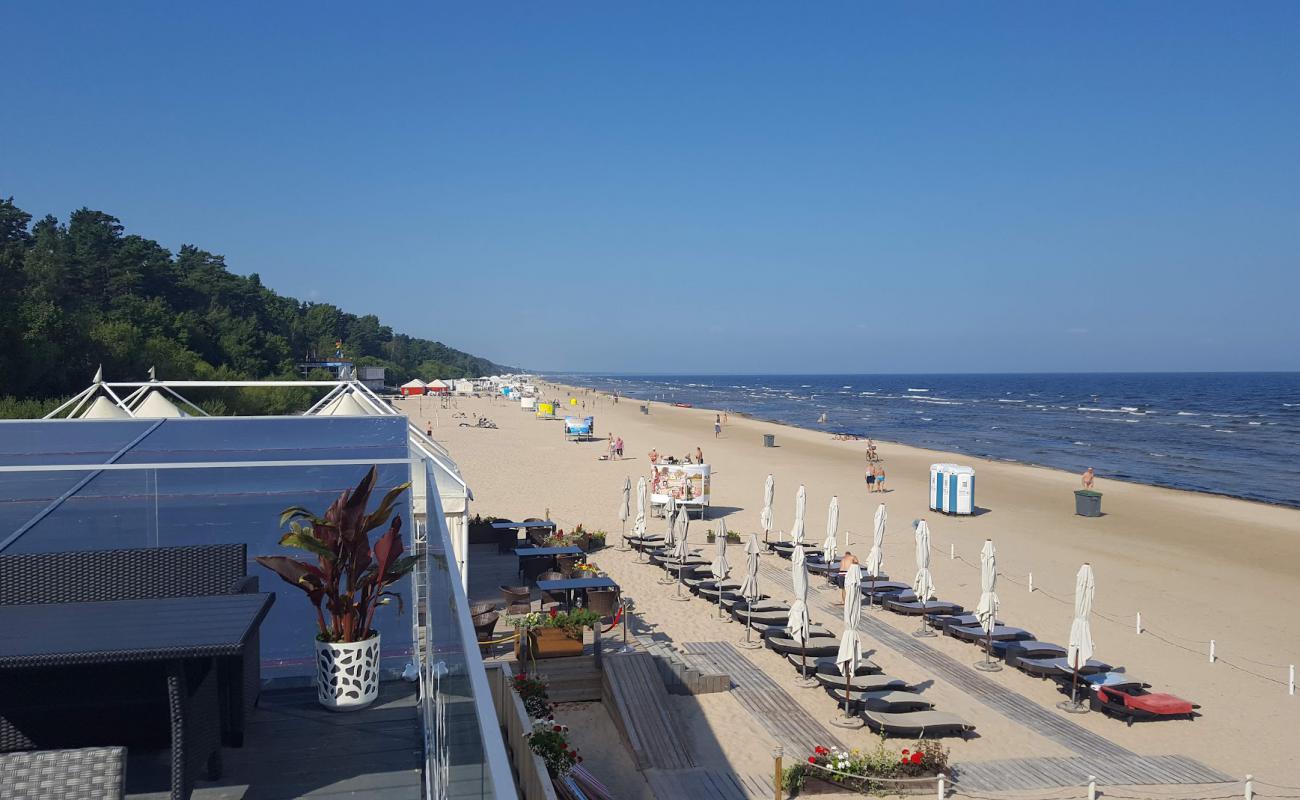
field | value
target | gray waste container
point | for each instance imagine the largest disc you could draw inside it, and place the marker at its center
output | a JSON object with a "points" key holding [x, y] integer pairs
{"points": [[1087, 503], [644, 409], [769, 440]]}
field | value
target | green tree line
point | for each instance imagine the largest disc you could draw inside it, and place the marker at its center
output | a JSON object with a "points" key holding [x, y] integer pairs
{"points": [[75, 296]]}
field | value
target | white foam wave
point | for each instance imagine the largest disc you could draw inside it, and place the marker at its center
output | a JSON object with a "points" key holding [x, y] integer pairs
{"points": [[918, 390]]}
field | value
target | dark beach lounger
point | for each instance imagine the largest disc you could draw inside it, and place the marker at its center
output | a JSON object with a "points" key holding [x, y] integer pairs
{"points": [[1027, 648], [976, 633], [813, 646], [1120, 681], [1055, 667], [917, 724], [885, 587], [865, 683], [1136, 704], [914, 609], [890, 700], [827, 666]]}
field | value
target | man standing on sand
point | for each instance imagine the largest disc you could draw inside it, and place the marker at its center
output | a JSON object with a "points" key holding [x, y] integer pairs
{"points": [[845, 562], [699, 456], [717, 425], [880, 478], [1088, 476], [618, 448]]}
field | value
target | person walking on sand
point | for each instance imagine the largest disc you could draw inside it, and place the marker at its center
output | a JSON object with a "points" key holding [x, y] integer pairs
{"points": [[1088, 476], [880, 478], [848, 560], [871, 479], [618, 448], [699, 456], [717, 425], [654, 456]]}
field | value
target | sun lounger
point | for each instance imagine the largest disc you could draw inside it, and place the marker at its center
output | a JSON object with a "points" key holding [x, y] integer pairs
{"points": [[976, 633], [1027, 648], [777, 617], [827, 666], [916, 724], [865, 683], [915, 609], [740, 605], [813, 646], [1121, 681], [889, 700], [885, 587], [1054, 667], [1138, 704]]}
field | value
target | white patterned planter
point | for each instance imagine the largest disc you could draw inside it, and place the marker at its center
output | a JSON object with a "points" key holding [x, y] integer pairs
{"points": [[347, 674]]}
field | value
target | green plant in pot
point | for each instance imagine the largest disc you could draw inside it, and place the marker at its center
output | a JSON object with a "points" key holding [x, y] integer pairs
{"points": [[347, 582]]}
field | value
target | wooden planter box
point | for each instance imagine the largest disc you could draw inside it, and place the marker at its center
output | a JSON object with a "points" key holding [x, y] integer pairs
{"points": [[550, 643], [826, 783]]}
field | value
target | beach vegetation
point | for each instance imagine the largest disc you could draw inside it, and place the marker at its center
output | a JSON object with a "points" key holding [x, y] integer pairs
{"points": [[572, 622]]}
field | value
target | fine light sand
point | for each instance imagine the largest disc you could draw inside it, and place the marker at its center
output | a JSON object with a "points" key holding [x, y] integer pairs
{"points": [[1197, 567]]}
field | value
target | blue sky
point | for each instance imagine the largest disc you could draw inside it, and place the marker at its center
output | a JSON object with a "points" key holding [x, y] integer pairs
{"points": [[713, 187]]}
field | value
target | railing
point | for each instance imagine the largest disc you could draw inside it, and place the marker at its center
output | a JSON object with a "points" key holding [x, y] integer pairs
{"points": [[465, 755], [534, 780]]}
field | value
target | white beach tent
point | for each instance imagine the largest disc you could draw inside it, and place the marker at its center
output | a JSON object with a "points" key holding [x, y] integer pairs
{"points": [[345, 405], [103, 408], [414, 386], [156, 406]]}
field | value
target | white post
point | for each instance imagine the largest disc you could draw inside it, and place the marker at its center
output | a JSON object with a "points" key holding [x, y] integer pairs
{"points": [[1092, 787], [1291, 681], [942, 790], [1211, 651], [952, 551], [1031, 583], [1250, 788], [1139, 623]]}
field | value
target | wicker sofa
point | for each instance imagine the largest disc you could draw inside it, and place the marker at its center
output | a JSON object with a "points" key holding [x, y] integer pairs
{"points": [[189, 571]]}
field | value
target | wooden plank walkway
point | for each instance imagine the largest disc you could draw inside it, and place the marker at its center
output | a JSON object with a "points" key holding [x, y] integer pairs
{"points": [[1043, 773], [773, 707], [704, 784], [636, 698]]}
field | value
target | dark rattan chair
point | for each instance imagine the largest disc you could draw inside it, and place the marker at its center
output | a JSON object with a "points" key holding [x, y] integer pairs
{"points": [[549, 599], [484, 629], [90, 773], [148, 573], [519, 599], [566, 564], [602, 601], [482, 607]]}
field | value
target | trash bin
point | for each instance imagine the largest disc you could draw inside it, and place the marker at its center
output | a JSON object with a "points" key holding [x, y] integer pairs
{"points": [[1087, 503], [644, 409], [769, 440]]}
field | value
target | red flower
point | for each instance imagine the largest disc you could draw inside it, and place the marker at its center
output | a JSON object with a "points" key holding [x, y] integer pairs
{"points": [[905, 752], [553, 613], [556, 728], [819, 750], [563, 746], [916, 758], [812, 759]]}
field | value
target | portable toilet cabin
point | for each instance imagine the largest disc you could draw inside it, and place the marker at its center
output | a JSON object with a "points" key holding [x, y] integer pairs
{"points": [[938, 485], [959, 496]]}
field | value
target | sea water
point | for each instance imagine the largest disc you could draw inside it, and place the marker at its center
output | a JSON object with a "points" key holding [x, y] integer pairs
{"points": [[1230, 433]]}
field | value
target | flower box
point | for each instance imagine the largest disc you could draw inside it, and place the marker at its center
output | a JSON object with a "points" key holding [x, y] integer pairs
{"points": [[551, 643], [877, 786]]}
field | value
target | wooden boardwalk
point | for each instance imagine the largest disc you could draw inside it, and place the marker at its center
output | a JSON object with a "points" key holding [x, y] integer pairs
{"points": [[704, 784], [770, 705], [1044, 773], [637, 700]]}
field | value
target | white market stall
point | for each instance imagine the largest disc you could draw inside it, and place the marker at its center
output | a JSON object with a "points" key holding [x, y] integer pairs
{"points": [[686, 484]]}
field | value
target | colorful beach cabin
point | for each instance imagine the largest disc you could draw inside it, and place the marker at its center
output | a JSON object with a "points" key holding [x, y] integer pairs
{"points": [[415, 386], [439, 387]]}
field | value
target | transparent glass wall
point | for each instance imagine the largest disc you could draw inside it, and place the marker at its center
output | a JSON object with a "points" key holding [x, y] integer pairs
{"points": [[209, 481]]}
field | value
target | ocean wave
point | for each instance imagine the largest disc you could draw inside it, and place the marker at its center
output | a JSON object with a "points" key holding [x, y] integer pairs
{"points": [[918, 390], [1004, 400], [1187, 414]]}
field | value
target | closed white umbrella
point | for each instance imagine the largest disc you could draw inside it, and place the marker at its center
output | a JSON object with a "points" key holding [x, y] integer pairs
{"points": [[1080, 648], [670, 535], [987, 610], [749, 589], [625, 509], [681, 550], [832, 531], [638, 527], [765, 519], [798, 621], [720, 568], [923, 583], [876, 558], [796, 533], [850, 652]]}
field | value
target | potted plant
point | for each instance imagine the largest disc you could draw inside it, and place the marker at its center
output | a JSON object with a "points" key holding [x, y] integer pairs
{"points": [[347, 583], [597, 541], [580, 537], [553, 634], [882, 771]]}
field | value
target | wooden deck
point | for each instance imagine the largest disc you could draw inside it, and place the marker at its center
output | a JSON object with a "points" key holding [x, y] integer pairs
{"points": [[769, 704], [638, 702], [1043, 773], [699, 784], [295, 748]]}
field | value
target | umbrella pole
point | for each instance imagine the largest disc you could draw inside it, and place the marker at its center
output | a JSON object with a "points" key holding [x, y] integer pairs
{"points": [[924, 630], [622, 535], [1073, 706], [988, 664], [681, 576]]}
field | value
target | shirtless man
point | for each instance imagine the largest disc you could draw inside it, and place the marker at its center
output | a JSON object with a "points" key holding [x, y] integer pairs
{"points": [[845, 562], [1088, 476], [654, 456]]}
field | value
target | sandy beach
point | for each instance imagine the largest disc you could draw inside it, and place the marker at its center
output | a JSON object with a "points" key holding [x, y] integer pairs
{"points": [[1197, 567]]}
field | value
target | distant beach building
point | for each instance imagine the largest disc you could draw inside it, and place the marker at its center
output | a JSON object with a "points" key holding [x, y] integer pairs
{"points": [[463, 387], [372, 377], [439, 387], [415, 386]]}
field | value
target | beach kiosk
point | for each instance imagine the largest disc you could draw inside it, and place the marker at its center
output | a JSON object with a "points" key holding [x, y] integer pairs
{"points": [[579, 429], [687, 484], [546, 410], [414, 387], [952, 489], [528, 403]]}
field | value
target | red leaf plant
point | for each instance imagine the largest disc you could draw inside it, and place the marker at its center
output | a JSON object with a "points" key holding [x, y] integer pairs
{"points": [[349, 579]]}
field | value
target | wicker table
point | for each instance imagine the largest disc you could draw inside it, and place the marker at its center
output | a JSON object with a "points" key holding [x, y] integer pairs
{"points": [[182, 635]]}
